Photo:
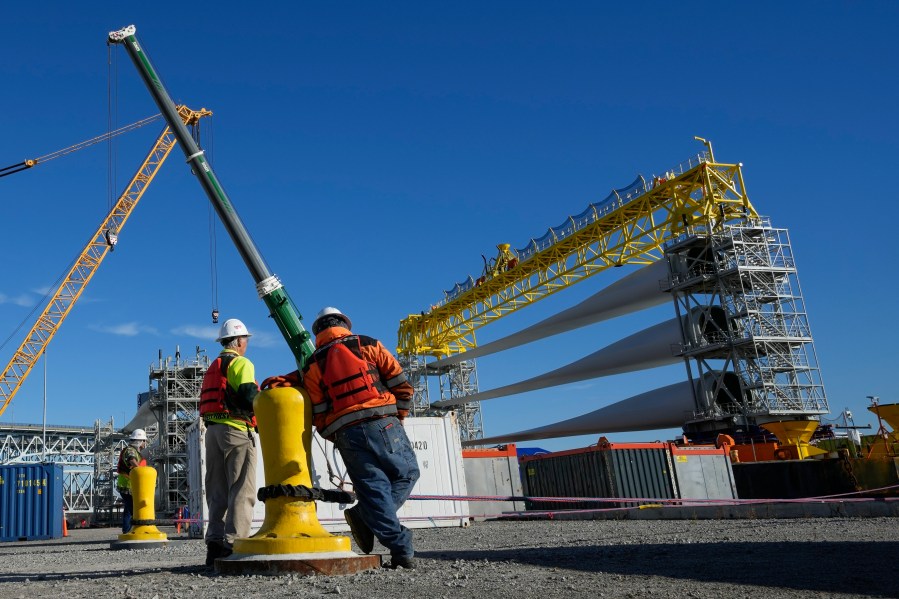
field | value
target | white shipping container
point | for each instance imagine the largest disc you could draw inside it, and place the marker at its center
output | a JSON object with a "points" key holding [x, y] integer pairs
{"points": [[437, 448]]}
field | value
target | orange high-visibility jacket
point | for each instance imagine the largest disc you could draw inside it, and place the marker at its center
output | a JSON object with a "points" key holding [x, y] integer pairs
{"points": [[343, 392]]}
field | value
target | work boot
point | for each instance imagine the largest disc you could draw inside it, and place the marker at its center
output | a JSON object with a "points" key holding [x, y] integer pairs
{"points": [[213, 551], [362, 534], [401, 562]]}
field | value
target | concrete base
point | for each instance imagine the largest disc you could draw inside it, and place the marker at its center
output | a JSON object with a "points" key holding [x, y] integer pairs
{"points": [[331, 563], [138, 544]]}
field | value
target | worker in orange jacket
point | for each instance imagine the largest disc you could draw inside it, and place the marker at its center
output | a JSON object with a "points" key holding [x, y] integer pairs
{"points": [[360, 396]]}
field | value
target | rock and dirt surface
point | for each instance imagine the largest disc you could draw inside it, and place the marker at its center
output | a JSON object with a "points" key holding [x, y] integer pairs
{"points": [[550, 559]]}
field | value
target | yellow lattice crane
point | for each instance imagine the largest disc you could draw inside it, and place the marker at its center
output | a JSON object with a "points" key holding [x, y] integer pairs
{"points": [[87, 263], [628, 227]]}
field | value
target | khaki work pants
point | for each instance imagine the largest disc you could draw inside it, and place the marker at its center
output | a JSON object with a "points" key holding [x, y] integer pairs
{"points": [[230, 483]]}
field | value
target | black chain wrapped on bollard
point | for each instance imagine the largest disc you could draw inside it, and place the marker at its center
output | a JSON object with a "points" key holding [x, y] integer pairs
{"points": [[307, 493]]}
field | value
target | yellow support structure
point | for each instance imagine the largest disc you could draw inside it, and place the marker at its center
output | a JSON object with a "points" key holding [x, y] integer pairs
{"points": [[87, 263], [794, 437], [633, 231], [143, 485]]}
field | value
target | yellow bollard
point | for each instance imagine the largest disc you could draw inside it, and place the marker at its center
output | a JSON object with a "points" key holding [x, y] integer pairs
{"points": [[143, 487], [291, 525]]}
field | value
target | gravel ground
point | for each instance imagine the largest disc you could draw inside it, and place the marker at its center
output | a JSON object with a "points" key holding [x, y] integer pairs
{"points": [[811, 557]]}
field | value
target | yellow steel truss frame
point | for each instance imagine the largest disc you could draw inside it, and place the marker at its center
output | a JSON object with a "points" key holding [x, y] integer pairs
{"points": [[705, 196], [80, 274]]}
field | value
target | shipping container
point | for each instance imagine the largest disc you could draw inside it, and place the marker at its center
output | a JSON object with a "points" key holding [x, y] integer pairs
{"points": [[492, 472], [437, 447], [31, 502], [625, 470], [620, 470], [703, 472]]}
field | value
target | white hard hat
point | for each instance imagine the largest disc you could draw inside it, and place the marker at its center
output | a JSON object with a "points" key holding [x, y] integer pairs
{"points": [[139, 434], [330, 311], [232, 328]]}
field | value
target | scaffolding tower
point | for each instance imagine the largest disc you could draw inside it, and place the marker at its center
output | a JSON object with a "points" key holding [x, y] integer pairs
{"points": [[108, 443], [174, 398], [760, 366], [414, 367], [461, 380], [458, 380]]}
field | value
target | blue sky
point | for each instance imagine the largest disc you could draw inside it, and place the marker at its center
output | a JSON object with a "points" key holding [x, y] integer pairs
{"points": [[374, 152]]}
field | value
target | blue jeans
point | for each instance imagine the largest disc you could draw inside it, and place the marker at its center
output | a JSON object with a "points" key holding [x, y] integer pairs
{"points": [[381, 463], [127, 511]]}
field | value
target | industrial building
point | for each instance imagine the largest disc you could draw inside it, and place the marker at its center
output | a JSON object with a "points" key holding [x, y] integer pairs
{"points": [[739, 326], [89, 457]]}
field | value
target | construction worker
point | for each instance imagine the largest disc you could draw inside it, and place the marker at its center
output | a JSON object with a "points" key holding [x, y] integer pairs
{"points": [[129, 458], [226, 408], [359, 398]]}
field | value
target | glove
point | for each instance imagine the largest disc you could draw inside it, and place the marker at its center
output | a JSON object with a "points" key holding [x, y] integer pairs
{"points": [[286, 380]]}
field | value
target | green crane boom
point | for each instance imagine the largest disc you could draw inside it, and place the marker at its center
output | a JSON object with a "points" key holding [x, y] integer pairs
{"points": [[270, 289]]}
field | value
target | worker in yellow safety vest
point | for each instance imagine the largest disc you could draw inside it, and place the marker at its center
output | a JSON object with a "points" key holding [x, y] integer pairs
{"points": [[226, 407], [129, 458]]}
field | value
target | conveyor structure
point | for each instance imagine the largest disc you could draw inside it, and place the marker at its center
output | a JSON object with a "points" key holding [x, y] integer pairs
{"points": [[629, 226], [753, 365]]}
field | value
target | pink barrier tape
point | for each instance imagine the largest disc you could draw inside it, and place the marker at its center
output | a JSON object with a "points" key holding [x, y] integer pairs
{"points": [[654, 502], [687, 500], [839, 497]]}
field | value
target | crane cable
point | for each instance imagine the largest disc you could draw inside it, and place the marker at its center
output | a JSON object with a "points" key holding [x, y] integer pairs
{"points": [[39, 304], [112, 115], [213, 267], [213, 253], [26, 164]]}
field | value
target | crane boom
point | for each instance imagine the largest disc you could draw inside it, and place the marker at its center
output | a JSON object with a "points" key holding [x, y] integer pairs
{"points": [[87, 263], [269, 288]]}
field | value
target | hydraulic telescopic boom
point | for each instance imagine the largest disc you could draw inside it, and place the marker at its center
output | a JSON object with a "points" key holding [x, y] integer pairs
{"points": [[269, 288]]}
